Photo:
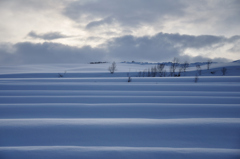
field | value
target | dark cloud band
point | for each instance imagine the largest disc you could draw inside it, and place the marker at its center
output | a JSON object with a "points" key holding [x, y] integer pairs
{"points": [[47, 36], [157, 48]]}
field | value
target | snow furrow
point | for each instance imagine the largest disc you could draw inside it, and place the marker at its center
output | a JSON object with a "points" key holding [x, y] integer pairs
{"points": [[125, 87], [116, 110], [120, 99], [195, 132], [227, 79], [62, 152], [113, 93]]}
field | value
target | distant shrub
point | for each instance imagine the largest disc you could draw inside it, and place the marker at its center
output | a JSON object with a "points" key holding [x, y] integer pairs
{"points": [[129, 79], [62, 75], [213, 72]]}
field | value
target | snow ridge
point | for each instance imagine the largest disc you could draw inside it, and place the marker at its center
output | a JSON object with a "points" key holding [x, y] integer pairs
{"points": [[111, 118]]}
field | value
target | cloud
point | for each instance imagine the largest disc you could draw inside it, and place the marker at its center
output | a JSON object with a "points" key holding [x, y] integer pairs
{"points": [[28, 5], [236, 47], [128, 48], [47, 36], [94, 18], [41, 53], [158, 48], [20, 17], [127, 13], [93, 24], [164, 46], [149, 17], [197, 42], [212, 17]]}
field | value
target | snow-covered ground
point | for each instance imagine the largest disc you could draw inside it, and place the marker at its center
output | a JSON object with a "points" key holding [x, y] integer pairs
{"points": [[90, 113]]}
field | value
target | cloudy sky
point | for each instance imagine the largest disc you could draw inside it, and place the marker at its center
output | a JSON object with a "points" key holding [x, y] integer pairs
{"points": [[73, 31]]}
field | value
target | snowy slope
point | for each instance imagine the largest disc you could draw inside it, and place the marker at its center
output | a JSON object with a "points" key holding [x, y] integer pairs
{"points": [[101, 70], [102, 116]]}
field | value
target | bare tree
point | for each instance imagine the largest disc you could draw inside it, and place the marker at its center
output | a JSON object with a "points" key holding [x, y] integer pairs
{"points": [[149, 73], [196, 78], [209, 62], [179, 71], [164, 73], [224, 70], [112, 68], [199, 70], [185, 66], [154, 71], [160, 68], [139, 73], [170, 72], [174, 65], [144, 73]]}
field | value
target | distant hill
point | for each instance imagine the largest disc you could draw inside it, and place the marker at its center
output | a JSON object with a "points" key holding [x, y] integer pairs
{"points": [[237, 61]]}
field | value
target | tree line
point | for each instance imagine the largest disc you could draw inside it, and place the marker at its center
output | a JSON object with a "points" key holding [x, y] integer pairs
{"points": [[176, 69]]}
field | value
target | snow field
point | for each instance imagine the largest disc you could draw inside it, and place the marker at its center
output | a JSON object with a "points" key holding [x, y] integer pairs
{"points": [[111, 118]]}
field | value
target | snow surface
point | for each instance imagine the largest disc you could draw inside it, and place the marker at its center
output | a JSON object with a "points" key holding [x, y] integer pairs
{"points": [[90, 113]]}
